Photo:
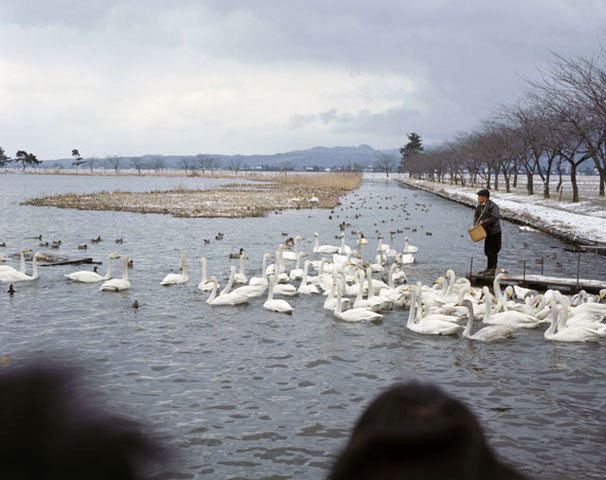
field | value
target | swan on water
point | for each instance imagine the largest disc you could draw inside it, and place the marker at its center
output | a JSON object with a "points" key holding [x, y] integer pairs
{"points": [[427, 326], [7, 268], [292, 256], [262, 280], [87, 276], [297, 272], [276, 305], [204, 286], [510, 318], [307, 288], [354, 314], [177, 278], [331, 300], [409, 248], [12, 276], [491, 333], [225, 299], [361, 240], [553, 333], [323, 248], [344, 249], [118, 284], [240, 276]]}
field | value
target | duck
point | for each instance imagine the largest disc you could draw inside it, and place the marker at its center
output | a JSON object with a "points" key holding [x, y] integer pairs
{"points": [[82, 246], [11, 290], [292, 256], [86, 276], [118, 284], [276, 305], [177, 278], [491, 333], [96, 240], [236, 255], [119, 240]]}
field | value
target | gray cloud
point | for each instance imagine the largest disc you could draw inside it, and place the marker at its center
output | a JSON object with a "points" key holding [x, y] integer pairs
{"points": [[137, 76]]}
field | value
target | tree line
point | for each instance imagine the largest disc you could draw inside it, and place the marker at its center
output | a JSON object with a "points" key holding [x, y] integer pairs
{"points": [[558, 124]]}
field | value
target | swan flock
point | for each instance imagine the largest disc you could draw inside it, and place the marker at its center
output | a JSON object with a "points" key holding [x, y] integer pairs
{"points": [[449, 307]]}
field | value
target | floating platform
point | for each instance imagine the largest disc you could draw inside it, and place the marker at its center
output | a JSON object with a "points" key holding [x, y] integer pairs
{"points": [[542, 282]]}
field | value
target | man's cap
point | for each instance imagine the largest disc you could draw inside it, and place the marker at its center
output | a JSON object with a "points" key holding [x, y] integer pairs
{"points": [[484, 193]]}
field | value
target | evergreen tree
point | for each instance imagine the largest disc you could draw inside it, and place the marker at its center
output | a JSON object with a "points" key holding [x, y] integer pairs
{"points": [[78, 160], [412, 148], [4, 158]]}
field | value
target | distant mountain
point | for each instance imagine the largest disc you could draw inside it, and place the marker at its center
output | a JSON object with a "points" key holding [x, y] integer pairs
{"points": [[321, 157]]}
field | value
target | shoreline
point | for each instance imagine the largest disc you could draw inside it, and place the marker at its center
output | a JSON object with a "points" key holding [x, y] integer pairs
{"points": [[569, 227]]}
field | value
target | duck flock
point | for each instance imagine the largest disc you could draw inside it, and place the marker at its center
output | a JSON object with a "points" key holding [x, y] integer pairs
{"points": [[358, 291]]}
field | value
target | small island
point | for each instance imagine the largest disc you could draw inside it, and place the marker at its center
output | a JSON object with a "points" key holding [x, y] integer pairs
{"points": [[236, 200]]}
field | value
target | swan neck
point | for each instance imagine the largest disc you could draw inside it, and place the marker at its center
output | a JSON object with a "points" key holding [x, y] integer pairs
{"points": [[108, 271]]}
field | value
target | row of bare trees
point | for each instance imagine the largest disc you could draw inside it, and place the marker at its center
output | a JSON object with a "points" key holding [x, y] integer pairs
{"points": [[559, 123]]}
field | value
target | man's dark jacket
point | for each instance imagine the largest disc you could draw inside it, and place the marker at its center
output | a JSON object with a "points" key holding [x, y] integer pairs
{"points": [[490, 217]]}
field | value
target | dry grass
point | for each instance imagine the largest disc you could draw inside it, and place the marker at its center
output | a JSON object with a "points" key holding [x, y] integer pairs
{"points": [[233, 201], [338, 180]]}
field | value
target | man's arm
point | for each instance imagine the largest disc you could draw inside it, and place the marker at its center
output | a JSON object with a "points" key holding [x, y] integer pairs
{"points": [[493, 216]]}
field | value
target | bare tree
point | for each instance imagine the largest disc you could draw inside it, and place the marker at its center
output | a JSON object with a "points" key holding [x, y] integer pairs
{"points": [[386, 163], [157, 163], [186, 164], [113, 162], [137, 163], [235, 164], [91, 161]]}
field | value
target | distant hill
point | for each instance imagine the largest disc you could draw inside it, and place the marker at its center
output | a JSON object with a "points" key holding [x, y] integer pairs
{"points": [[321, 157]]}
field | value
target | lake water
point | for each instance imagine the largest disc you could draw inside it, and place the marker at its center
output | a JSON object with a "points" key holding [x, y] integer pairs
{"points": [[237, 392]]}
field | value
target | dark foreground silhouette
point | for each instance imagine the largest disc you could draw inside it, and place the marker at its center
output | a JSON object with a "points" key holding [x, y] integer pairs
{"points": [[417, 432], [50, 430]]}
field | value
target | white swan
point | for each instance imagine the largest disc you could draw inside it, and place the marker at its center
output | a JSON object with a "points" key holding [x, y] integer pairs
{"points": [[381, 247], [354, 314], [510, 318], [361, 240], [12, 276], [204, 285], [567, 334], [225, 299], [292, 256], [307, 288], [405, 258], [409, 248], [276, 305], [372, 303], [262, 280], [177, 278], [331, 300], [6, 268], [391, 251], [118, 284], [427, 326], [491, 333], [87, 276], [323, 248], [297, 272], [240, 276], [344, 249]]}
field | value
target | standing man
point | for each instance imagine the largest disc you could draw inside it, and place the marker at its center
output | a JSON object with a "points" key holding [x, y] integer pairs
{"points": [[487, 215]]}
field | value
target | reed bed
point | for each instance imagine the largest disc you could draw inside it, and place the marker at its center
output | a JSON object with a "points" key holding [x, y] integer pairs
{"points": [[338, 180], [232, 201]]}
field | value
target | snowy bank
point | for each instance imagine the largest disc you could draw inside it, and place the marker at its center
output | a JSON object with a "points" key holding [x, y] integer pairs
{"points": [[574, 223]]}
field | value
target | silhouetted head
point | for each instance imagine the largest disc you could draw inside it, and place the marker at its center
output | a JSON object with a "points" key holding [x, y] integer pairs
{"points": [[416, 431], [50, 431]]}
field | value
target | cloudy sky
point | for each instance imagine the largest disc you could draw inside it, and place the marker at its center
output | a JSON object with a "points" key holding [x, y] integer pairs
{"points": [[264, 76]]}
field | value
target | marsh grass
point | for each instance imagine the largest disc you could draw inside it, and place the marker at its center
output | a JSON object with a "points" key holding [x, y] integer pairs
{"points": [[337, 180]]}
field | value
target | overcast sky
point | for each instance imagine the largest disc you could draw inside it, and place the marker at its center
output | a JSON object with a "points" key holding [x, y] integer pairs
{"points": [[265, 76]]}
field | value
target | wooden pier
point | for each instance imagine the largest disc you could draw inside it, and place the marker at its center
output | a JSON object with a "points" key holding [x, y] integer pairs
{"points": [[542, 282]]}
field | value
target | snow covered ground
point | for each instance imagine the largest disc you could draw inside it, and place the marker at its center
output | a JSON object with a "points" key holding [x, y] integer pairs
{"points": [[584, 222]]}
